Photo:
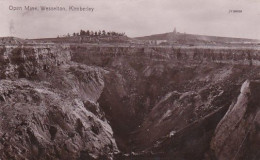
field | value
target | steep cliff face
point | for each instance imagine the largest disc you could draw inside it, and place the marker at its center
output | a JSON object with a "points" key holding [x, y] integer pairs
{"points": [[103, 55], [28, 61], [237, 135], [49, 107], [167, 103]]}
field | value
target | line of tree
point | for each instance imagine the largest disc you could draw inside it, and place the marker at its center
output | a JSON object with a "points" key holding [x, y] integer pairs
{"points": [[98, 33], [94, 33]]}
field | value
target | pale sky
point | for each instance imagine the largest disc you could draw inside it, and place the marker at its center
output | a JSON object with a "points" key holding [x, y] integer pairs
{"points": [[134, 17]]}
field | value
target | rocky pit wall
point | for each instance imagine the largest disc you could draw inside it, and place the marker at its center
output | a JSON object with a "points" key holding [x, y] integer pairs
{"points": [[48, 106], [225, 55], [89, 102], [26, 61]]}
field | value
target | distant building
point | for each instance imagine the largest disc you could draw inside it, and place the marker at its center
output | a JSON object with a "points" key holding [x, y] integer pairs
{"points": [[174, 31], [161, 41], [151, 42], [172, 36]]}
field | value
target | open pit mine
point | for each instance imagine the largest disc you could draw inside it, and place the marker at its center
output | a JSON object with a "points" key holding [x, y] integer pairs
{"points": [[76, 101]]}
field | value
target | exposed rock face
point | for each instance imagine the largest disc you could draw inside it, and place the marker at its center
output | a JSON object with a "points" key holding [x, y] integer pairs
{"points": [[55, 115], [92, 102], [168, 105], [237, 136], [102, 55], [26, 61], [38, 122]]}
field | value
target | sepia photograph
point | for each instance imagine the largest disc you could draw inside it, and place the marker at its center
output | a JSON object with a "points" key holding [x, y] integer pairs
{"points": [[129, 80]]}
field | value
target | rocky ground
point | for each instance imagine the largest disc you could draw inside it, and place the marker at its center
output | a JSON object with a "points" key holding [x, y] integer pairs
{"points": [[112, 102]]}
